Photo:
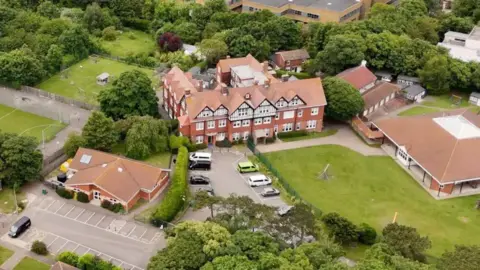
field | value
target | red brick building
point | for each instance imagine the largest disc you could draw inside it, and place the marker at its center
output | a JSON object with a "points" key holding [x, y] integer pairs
{"points": [[257, 104], [104, 176], [290, 60]]}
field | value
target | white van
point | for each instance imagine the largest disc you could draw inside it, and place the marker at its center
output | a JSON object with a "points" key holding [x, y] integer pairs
{"points": [[196, 156], [259, 180]]}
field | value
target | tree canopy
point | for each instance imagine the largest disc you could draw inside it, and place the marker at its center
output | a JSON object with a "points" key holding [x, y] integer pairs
{"points": [[343, 100]]}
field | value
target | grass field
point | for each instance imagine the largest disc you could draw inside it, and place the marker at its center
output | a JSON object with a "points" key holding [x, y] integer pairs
{"points": [[372, 189], [5, 253], [28, 263], [130, 42], [81, 83], [20, 122], [312, 135], [418, 110], [445, 102], [7, 201]]}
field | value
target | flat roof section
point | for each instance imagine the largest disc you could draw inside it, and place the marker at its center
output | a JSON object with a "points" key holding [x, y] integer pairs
{"points": [[475, 34]]}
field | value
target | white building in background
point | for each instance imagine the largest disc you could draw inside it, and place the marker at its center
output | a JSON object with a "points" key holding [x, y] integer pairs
{"points": [[465, 47]]}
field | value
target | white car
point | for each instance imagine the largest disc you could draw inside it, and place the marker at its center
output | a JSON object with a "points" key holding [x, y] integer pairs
{"points": [[196, 156], [259, 180]]}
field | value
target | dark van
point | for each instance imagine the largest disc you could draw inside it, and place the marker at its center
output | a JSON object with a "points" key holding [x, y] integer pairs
{"points": [[200, 165], [19, 227]]}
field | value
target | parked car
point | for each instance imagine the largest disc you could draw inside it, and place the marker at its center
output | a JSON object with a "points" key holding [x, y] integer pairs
{"points": [[19, 227], [259, 180], [200, 165], [196, 156], [199, 180], [284, 210], [245, 167], [208, 189], [270, 192]]}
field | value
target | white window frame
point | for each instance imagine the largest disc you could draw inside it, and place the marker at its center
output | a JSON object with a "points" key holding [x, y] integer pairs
{"points": [[315, 111], [237, 124], [287, 127], [300, 113], [236, 136], [245, 135], [199, 139], [311, 124], [258, 121], [211, 124], [246, 123], [199, 126], [298, 126], [267, 120], [222, 122], [277, 116]]}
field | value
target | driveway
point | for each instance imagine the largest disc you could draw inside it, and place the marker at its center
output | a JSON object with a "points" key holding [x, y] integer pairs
{"points": [[344, 137], [63, 226]]}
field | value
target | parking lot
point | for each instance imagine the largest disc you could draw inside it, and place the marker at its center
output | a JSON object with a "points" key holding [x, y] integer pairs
{"points": [[225, 179], [110, 224]]}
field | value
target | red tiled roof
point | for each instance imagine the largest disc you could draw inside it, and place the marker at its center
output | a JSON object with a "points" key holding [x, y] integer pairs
{"points": [[180, 82], [300, 54], [378, 93], [359, 76]]}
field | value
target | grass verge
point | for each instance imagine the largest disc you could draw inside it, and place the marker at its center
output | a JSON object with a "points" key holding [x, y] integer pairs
{"points": [[5, 254], [312, 135], [28, 263]]}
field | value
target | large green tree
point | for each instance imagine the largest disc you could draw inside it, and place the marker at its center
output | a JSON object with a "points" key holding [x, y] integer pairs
{"points": [[145, 137], [340, 228], [341, 52], [20, 67], [462, 257], [406, 241], [435, 75], [76, 42], [131, 94], [343, 100], [213, 50], [99, 132], [48, 9]]}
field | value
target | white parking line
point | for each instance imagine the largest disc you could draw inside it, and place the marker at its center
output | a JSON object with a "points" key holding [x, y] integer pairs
{"points": [[100, 221], [52, 242], [90, 217], [79, 214], [69, 211], [239, 174], [78, 245], [61, 246], [134, 226], [50, 204], [143, 233], [59, 208]]}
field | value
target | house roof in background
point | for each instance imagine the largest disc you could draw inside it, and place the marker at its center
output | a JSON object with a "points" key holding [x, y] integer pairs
{"points": [[378, 93], [337, 5], [446, 144], [414, 89], [299, 54], [358, 77]]}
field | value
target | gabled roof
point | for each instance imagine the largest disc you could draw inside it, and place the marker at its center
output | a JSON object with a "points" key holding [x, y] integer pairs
{"points": [[300, 54], [181, 81], [379, 93], [445, 144], [121, 177], [250, 61], [358, 77]]}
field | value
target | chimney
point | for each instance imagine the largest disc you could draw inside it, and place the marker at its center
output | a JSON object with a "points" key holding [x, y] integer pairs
{"points": [[265, 66], [363, 63], [188, 92], [200, 86], [284, 77], [267, 83], [247, 96], [224, 89]]}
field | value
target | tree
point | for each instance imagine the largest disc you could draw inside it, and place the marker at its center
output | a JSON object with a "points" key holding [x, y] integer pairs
{"points": [[145, 137], [20, 160], [99, 132], [20, 67], [465, 8], [342, 229], [253, 244], [436, 75], [341, 52], [109, 33], [322, 252], [73, 142], [413, 8], [203, 199], [343, 100], [450, 22], [188, 32], [463, 257], [381, 256], [54, 27], [283, 34], [169, 42], [424, 28], [96, 18], [460, 75], [406, 241], [301, 220], [231, 263], [76, 42], [367, 234], [54, 59], [68, 257], [213, 50], [49, 10], [130, 94], [240, 47]]}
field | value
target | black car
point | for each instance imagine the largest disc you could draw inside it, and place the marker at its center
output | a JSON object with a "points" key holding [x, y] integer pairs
{"points": [[199, 180], [200, 165], [269, 192], [19, 227]]}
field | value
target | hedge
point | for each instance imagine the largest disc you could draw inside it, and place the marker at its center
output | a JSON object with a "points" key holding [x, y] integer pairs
{"points": [[114, 207], [86, 261], [292, 134], [223, 144], [174, 199], [39, 248], [298, 75], [62, 192], [82, 197]]}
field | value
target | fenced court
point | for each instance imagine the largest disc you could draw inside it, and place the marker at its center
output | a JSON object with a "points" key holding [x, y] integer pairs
{"points": [[16, 121], [79, 81]]}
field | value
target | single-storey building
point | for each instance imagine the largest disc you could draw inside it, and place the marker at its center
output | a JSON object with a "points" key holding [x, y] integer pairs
{"points": [[290, 60], [104, 176], [440, 149], [414, 92], [384, 75], [407, 80], [102, 79], [474, 98]]}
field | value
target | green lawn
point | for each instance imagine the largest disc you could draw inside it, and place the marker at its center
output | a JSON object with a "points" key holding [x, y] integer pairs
{"points": [[445, 102], [20, 122], [79, 81], [159, 160], [372, 189], [130, 42], [7, 201], [418, 110], [28, 263], [5, 253], [312, 135]]}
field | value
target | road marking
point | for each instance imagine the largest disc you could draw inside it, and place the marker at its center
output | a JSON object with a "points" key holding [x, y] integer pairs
{"points": [[90, 217], [80, 214], [69, 211], [125, 223], [143, 233], [52, 242], [59, 208], [50, 205], [100, 221], [134, 226], [245, 180], [78, 245], [62, 246], [86, 251]]}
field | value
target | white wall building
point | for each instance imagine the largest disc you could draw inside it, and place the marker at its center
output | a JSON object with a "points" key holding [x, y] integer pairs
{"points": [[465, 47]]}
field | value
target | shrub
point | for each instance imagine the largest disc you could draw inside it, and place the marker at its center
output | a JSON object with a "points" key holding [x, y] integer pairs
{"points": [[68, 257], [66, 194], [270, 139], [86, 261], [109, 33], [342, 229], [175, 142], [292, 134], [174, 199], [74, 141], [366, 234], [224, 144], [117, 208], [106, 204], [82, 197], [39, 248], [201, 146]]}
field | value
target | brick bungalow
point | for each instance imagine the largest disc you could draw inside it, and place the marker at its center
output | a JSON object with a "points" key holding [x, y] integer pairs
{"points": [[441, 149], [290, 60], [104, 176]]}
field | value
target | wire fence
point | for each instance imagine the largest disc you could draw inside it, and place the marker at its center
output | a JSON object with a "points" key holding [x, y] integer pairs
{"points": [[283, 182]]}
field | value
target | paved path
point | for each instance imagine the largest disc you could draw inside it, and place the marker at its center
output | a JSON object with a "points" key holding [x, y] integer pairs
{"points": [[344, 137], [20, 254], [74, 116]]}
